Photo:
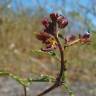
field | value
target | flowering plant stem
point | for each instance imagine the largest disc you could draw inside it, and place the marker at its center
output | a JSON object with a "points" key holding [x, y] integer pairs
{"points": [[25, 91], [58, 81]]}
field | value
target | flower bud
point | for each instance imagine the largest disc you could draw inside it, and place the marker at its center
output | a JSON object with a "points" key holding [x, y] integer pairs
{"points": [[84, 38], [86, 35], [42, 36], [45, 22], [62, 22], [54, 16], [60, 18], [72, 38]]}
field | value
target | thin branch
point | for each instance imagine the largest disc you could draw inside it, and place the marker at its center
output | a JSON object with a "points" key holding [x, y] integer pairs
{"points": [[48, 90], [25, 91], [72, 43]]}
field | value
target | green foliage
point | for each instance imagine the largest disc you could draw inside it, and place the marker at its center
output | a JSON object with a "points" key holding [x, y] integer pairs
{"points": [[67, 88], [40, 53], [28, 81]]}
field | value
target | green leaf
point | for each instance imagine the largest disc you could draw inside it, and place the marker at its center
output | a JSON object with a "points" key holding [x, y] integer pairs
{"points": [[46, 78], [2, 73], [52, 53], [70, 92], [37, 52], [40, 53]]}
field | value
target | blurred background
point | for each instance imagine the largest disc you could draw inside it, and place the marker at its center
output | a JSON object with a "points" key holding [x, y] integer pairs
{"points": [[20, 20]]}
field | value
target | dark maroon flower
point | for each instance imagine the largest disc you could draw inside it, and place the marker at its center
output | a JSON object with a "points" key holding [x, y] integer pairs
{"points": [[45, 22], [85, 37], [70, 38], [43, 36], [60, 18], [51, 26], [47, 36], [51, 29], [54, 16], [50, 46], [62, 21], [48, 40]]}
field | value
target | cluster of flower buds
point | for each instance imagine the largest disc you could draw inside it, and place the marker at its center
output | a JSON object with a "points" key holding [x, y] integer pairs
{"points": [[72, 39], [47, 36], [51, 26], [48, 40]]}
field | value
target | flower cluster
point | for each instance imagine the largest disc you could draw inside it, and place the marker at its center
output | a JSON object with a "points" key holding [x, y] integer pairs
{"points": [[84, 38], [47, 36], [48, 40], [57, 21]]}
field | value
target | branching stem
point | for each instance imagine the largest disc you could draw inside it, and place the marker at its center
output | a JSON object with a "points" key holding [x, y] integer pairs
{"points": [[58, 81]]}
